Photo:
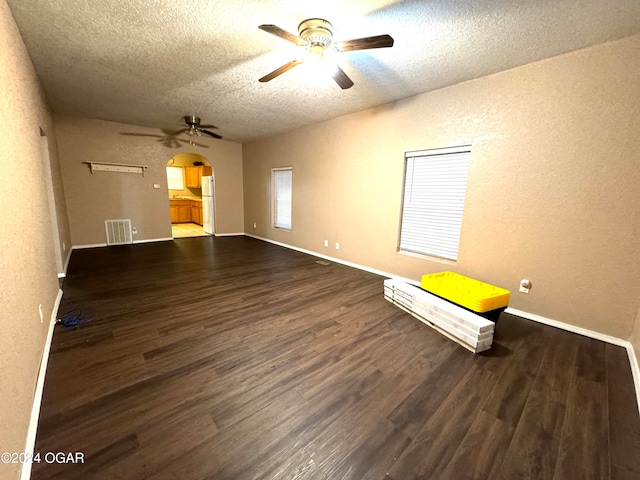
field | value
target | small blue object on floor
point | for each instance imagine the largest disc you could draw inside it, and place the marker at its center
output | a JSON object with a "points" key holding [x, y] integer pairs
{"points": [[73, 318]]}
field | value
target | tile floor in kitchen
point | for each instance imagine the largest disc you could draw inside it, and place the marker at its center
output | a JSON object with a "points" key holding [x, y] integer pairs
{"points": [[181, 230]]}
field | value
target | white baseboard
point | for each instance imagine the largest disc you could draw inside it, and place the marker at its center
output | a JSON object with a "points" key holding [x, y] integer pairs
{"points": [[635, 371], [228, 234], [568, 327], [337, 260], [91, 245], [37, 399], [135, 242], [151, 240]]}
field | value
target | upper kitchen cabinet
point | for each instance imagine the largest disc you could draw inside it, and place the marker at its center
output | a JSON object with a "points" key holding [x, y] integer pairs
{"points": [[193, 175]]}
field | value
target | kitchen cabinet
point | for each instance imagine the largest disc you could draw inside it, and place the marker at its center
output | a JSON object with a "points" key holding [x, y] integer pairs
{"points": [[193, 175], [196, 212], [185, 211], [180, 211]]}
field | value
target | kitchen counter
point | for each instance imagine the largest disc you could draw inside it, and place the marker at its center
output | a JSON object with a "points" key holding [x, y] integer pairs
{"points": [[195, 199]]}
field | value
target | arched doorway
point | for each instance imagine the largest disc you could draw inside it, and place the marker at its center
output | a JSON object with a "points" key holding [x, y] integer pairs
{"points": [[190, 183]]}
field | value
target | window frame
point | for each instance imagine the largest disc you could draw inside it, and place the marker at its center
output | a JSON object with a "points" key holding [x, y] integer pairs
{"points": [[453, 215], [274, 199]]}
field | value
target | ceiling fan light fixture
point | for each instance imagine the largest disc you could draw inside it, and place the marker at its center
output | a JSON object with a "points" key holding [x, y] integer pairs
{"points": [[318, 63], [315, 55]]}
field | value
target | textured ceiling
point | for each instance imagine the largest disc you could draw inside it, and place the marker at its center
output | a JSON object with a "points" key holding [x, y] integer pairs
{"points": [[149, 62]]}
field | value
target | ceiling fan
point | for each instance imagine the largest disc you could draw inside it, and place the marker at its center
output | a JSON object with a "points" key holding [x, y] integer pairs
{"points": [[195, 129], [316, 36]]}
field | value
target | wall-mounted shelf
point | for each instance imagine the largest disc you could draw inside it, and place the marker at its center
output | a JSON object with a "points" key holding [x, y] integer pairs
{"points": [[116, 167]]}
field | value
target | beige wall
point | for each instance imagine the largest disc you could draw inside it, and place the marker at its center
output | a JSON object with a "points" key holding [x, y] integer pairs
{"points": [[28, 265], [552, 196], [94, 198]]}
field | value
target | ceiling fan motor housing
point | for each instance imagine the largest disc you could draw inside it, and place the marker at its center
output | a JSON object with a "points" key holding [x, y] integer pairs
{"points": [[192, 120], [316, 31]]}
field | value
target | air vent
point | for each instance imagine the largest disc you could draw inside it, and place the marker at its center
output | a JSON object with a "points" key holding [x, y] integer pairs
{"points": [[118, 232]]}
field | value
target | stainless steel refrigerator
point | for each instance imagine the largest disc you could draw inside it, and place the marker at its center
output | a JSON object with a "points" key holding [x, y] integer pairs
{"points": [[208, 206]]}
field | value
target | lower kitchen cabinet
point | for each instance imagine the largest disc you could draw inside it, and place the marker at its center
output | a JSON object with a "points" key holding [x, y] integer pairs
{"points": [[196, 212], [185, 211], [180, 211]]}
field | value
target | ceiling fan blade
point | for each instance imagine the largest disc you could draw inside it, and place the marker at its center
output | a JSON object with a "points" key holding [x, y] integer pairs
{"points": [[341, 78], [207, 126], [380, 41], [281, 70], [140, 134], [169, 142], [211, 134], [278, 32], [180, 131]]}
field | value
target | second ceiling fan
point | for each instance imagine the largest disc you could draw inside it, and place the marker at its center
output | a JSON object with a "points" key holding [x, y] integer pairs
{"points": [[194, 128], [316, 35]]}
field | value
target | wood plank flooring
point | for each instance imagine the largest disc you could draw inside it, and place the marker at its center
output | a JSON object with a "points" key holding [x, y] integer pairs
{"points": [[233, 359]]}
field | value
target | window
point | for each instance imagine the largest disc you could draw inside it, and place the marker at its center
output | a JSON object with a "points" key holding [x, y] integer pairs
{"points": [[175, 178], [435, 183], [281, 188]]}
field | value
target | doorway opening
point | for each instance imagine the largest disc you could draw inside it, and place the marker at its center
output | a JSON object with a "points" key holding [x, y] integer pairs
{"points": [[190, 183], [51, 201]]}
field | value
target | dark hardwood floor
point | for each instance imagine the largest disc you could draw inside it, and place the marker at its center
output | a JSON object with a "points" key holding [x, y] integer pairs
{"points": [[230, 358]]}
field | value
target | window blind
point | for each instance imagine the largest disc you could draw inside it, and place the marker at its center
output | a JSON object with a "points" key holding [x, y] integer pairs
{"points": [[175, 178], [434, 193], [282, 183]]}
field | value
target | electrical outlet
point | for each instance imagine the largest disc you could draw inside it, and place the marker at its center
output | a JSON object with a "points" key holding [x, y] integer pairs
{"points": [[41, 313], [525, 286], [326, 243], [255, 225], [134, 230], [337, 246], [156, 185], [64, 247]]}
